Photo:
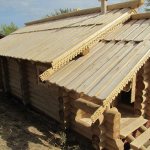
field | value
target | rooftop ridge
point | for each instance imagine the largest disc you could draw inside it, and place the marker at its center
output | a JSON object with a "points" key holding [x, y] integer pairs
{"points": [[131, 4]]}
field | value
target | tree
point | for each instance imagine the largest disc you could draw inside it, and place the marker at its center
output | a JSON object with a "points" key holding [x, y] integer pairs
{"points": [[61, 11], [7, 29]]}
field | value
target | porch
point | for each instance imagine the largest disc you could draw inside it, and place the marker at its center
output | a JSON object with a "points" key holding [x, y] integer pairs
{"points": [[135, 131]]}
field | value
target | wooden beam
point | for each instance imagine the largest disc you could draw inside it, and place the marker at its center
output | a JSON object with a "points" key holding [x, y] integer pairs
{"points": [[103, 6], [141, 16], [141, 140], [132, 4], [133, 90], [85, 105]]}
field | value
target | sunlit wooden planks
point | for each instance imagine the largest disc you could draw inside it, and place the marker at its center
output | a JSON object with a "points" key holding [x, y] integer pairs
{"points": [[98, 73], [134, 30], [141, 140], [131, 127], [119, 72], [85, 20], [44, 46]]}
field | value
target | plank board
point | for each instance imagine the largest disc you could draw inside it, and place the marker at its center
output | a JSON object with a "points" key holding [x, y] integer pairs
{"points": [[141, 140], [132, 127]]}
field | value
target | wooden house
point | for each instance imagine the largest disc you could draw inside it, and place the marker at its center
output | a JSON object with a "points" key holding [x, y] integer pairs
{"points": [[89, 70]]}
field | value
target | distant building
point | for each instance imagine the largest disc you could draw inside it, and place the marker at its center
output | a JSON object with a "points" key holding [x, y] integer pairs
{"points": [[88, 70]]}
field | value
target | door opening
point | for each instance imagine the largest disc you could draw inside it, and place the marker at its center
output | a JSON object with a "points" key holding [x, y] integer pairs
{"points": [[125, 101]]}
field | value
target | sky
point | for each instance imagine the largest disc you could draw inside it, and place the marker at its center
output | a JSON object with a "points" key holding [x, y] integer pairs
{"points": [[21, 11]]}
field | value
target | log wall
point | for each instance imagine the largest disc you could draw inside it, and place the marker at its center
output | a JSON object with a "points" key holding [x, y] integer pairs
{"points": [[22, 82], [14, 78], [112, 128], [69, 108], [43, 97]]}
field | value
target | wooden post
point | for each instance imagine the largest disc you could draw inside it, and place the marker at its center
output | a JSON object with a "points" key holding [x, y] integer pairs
{"points": [[85, 105], [112, 126], [106, 131], [103, 6], [146, 77], [140, 93], [98, 134], [64, 108]]}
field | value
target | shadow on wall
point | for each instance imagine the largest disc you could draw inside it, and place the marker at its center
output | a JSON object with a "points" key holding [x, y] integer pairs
{"points": [[22, 130]]}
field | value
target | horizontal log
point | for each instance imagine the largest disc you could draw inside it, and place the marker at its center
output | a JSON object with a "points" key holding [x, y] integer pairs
{"points": [[74, 95], [113, 135], [82, 130], [46, 101], [114, 127], [115, 144], [54, 115], [109, 147], [85, 105], [130, 138], [110, 121], [141, 16], [44, 105]]}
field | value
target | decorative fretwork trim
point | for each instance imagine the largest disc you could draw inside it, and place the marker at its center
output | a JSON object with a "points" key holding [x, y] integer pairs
{"points": [[120, 87], [86, 44]]}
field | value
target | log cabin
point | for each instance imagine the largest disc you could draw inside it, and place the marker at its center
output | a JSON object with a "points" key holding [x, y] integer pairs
{"points": [[89, 70]]}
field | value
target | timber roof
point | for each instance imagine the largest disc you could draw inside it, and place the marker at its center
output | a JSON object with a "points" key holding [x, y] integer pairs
{"points": [[48, 41], [110, 64], [114, 57], [106, 66]]}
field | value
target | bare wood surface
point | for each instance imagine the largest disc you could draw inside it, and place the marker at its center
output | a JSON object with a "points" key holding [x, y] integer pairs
{"points": [[141, 140], [132, 127], [141, 16], [85, 105]]}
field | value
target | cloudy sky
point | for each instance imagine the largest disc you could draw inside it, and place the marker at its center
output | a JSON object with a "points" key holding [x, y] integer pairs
{"points": [[21, 11]]}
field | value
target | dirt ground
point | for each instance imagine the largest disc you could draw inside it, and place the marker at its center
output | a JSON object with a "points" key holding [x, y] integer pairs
{"points": [[22, 129]]}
